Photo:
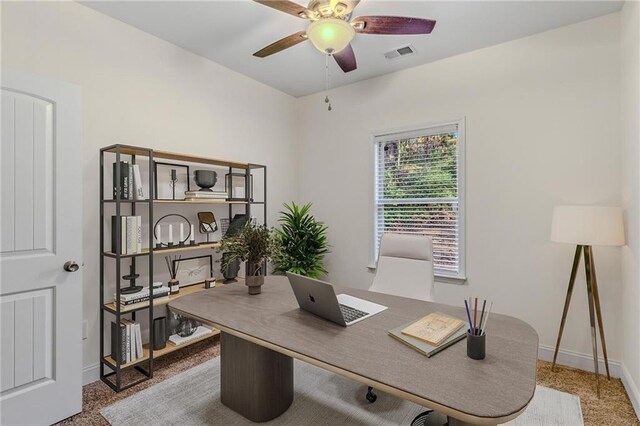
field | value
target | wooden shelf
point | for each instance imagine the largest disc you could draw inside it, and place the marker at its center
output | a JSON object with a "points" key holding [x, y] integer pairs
{"points": [[160, 352], [172, 348], [195, 288], [175, 249], [126, 201], [199, 201], [112, 361], [144, 252], [111, 307], [132, 150]]}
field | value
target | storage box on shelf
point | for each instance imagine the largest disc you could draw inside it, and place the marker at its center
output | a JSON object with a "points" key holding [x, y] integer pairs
{"points": [[110, 368]]}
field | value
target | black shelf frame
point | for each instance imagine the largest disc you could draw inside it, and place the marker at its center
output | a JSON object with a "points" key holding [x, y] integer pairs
{"points": [[107, 369], [117, 370]]}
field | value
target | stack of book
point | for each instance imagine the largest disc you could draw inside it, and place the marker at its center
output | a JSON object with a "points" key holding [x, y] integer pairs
{"points": [[130, 184], [130, 234], [130, 341], [201, 331], [431, 334], [142, 296], [206, 195]]}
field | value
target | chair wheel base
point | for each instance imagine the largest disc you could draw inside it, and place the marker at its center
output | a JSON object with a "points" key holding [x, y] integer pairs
{"points": [[371, 396]]}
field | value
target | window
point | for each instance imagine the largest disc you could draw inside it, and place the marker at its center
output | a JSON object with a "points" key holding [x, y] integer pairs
{"points": [[419, 188]]}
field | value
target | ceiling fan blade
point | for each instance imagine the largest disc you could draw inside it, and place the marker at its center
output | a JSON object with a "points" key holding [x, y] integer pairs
{"points": [[281, 44], [346, 59], [392, 25], [287, 6]]}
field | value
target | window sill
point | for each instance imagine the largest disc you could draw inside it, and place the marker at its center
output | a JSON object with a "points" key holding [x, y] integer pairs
{"points": [[446, 279]]}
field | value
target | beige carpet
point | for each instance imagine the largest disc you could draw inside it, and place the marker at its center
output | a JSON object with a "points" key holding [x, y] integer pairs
{"points": [[595, 412], [321, 398]]}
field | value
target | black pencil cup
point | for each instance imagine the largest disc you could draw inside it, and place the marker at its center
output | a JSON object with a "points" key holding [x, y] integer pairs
{"points": [[159, 333], [475, 346]]}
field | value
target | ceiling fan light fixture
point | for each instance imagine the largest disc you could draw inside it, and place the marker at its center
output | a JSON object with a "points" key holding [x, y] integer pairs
{"points": [[330, 35]]}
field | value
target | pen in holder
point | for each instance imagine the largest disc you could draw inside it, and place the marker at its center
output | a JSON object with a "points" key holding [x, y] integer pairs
{"points": [[476, 345], [477, 323]]}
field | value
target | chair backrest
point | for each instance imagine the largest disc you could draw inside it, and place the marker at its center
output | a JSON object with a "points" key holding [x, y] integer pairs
{"points": [[405, 266]]}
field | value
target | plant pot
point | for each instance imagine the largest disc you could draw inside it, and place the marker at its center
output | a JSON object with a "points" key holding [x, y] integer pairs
{"points": [[231, 272], [254, 283]]}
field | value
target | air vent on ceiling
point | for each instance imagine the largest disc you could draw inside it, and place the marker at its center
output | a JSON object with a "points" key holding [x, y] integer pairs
{"points": [[400, 51]]}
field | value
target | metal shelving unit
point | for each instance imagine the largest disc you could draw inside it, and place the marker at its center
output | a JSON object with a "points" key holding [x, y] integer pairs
{"points": [[110, 367]]}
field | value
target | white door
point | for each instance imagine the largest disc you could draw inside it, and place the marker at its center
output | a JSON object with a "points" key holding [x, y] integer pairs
{"points": [[40, 230]]}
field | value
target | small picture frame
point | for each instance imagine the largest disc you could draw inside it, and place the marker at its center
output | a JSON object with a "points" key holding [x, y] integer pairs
{"points": [[235, 185], [165, 187], [194, 270]]}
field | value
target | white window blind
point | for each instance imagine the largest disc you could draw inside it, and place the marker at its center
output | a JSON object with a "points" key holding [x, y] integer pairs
{"points": [[418, 190]]}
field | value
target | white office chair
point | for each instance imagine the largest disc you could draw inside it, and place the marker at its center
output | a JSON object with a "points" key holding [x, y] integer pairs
{"points": [[404, 268]]}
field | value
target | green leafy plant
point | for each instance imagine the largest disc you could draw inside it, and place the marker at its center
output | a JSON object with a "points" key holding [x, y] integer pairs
{"points": [[254, 244], [302, 242]]}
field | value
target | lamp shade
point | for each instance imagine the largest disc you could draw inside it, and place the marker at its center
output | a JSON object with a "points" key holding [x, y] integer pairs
{"points": [[588, 225], [330, 35]]}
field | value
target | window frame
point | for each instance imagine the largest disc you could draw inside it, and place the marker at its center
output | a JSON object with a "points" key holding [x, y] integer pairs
{"points": [[410, 131]]}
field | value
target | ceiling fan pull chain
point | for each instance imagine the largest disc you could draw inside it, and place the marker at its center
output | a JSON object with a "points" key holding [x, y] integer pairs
{"points": [[326, 79]]}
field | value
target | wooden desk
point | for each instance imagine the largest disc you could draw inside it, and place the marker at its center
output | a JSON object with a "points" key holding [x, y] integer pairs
{"points": [[260, 335]]}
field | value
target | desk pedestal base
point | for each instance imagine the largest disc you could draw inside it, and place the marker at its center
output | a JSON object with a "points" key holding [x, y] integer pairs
{"points": [[255, 382]]}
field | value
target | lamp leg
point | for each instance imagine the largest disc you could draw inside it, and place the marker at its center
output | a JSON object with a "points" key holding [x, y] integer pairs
{"points": [[567, 301], [596, 299], [592, 317]]}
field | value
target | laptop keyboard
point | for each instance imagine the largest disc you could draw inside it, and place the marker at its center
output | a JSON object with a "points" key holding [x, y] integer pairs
{"points": [[351, 314]]}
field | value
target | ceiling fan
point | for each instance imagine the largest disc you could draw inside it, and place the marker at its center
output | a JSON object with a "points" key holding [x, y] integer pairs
{"points": [[332, 29]]}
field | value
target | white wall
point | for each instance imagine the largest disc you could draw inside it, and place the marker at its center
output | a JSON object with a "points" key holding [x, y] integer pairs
{"points": [[542, 125], [543, 128], [630, 136], [139, 90]]}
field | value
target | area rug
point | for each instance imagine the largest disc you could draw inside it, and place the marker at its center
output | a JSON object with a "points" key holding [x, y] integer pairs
{"points": [[321, 398]]}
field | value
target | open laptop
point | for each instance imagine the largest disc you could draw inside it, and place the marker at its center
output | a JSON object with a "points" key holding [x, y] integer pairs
{"points": [[319, 297]]}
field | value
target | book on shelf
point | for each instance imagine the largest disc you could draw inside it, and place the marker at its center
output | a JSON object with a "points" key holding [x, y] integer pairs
{"points": [[139, 234], [130, 234], [434, 328], [423, 347], [200, 332], [123, 186], [123, 234], [142, 295], [131, 347], [139, 350], [214, 195], [138, 188], [118, 355]]}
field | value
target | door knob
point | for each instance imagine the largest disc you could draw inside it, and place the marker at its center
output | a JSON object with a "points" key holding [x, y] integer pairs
{"points": [[70, 266]]}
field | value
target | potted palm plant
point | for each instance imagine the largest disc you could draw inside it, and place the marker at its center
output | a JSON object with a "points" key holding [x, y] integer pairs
{"points": [[302, 242], [255, 245]]}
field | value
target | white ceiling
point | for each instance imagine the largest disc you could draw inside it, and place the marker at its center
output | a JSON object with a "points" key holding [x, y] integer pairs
{"points": [[228, 32]]}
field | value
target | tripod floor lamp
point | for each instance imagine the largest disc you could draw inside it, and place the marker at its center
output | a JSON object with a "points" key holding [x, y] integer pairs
{"points": [[587, 226]]}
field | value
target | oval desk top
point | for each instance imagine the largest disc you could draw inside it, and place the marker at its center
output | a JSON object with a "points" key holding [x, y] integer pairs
{"points": [[493, 390]]}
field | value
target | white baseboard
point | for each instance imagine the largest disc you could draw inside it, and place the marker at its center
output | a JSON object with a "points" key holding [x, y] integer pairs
{"points": [[632, 390], [90, 374], [579, 360]]}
